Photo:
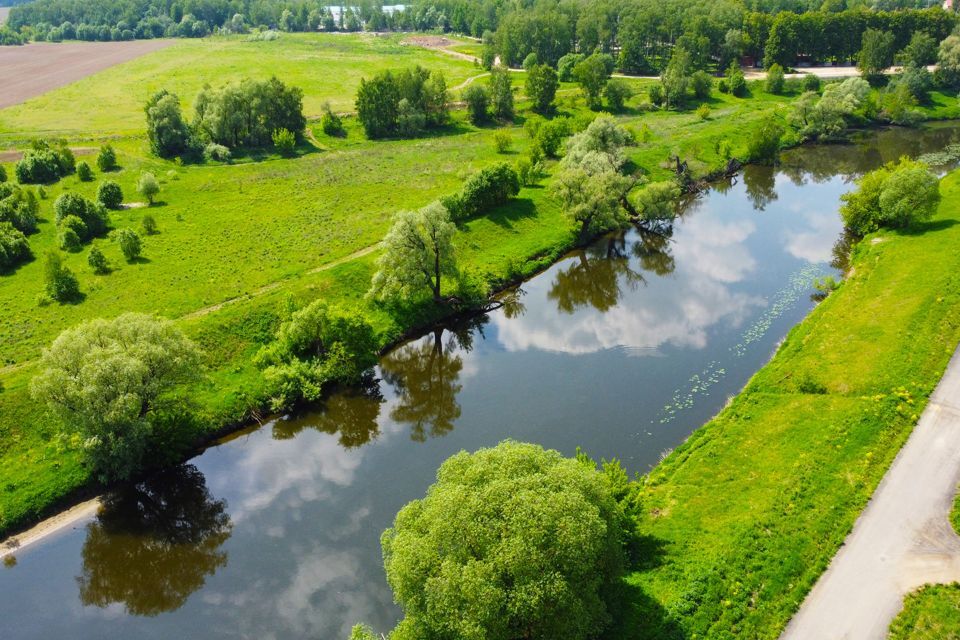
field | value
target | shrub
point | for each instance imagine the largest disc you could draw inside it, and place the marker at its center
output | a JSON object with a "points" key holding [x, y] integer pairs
{"points": [[502, 141], [93, 215], [98, 261], [775, 79], [217, 152], [130, 243], [541, 87], [723, 86], [169, 134], [763, 145], [149, 225], [61, 285], [496, 527], [703, 111], [44, 164], [528, 172], [109, 194], [896, 195], [501, 93], [592, 74], [701, 82], [478, 100], [69, 240], [147, 186], [811, 82], [3, 173], [107, 158], [84, 173], [330, 122], [656, 93], [617, 92], [736, 80], [402, 103], [566, 64], [530, 61], [285, 142], [550, 135], [14, 248], [19, 207], [484, 190]]}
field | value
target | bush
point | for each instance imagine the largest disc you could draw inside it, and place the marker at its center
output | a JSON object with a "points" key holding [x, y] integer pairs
{"points": [[550, 135], [60, 283], [285, 142], [896, 195], [501, 93], [147, 186], [44, 164], [217, 152], [736, 80], [763, 145], [528, 172], [478, 100], [109, 194], [14, 248], [107, 158], [248, 113], [502, 141], [657, 94], [566, 64], [130, 243], [330, 122], [722, 86], [98, 262], [703, 111], [811, 82], [775, 79], [530, 61], [512, 524], [3, 173], [149, 225], [617, 92], [488, 188], [701, 82], [541, 87], [69, 240], [93, 215], [169, 134], [84, 173], [19, 207]]}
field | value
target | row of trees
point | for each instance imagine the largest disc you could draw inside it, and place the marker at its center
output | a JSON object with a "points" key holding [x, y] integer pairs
{"points": [[402, 103], [249, 114]]}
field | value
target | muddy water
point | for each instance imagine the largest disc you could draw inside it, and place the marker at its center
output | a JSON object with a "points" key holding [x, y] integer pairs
{"points": [[622, 349]]}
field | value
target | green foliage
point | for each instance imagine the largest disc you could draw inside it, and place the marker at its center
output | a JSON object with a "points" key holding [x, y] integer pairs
{"points": [[362, 632], [896, 195], [169, 134], [44, 163], [921, 51], [591, 74], [701, 83], [658, 200], [331, 123], [676, 78], [93, 215], [736, 82], [501, 93], [703, 111], [84, 173], [105, 378], [402, 103], [616, 93], [417, 254], [478, 101], [657, 94], [3, 173], [149, 225], [918, 81], [897, 104], [107, 158], [147, 186], [109, 194], [14, 248], [98, 262], [488, 188], [541, 87], [130, 243], [948, 62], [285, 142], [565, 66], [502, 141], [217, 152], [19, 207], [811, 82], [876, 53], [529, 172], [763, 145], [530, 61], [249, 113], [825, 117], [549, 136], [775, 79], [315, 347], [60, 283], [68, 238], [510, 542], [930, 613]]}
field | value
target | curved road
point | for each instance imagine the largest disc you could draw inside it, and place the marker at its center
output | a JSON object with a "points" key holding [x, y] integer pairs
{"points": [[902, 540]]}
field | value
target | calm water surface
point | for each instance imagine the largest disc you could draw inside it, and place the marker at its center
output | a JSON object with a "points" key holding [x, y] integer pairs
{"points": [[622, 349]]}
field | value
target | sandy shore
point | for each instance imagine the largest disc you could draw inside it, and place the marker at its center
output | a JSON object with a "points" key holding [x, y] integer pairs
{"points": [[50, 526]]}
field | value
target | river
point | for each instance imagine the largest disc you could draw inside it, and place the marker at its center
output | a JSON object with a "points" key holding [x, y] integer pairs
{"points": [[622, 349]]}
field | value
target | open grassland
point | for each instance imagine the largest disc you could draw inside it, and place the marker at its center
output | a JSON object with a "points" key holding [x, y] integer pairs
{"points": [[327, 67], [237, 239], [932, 613], [744, 517]]}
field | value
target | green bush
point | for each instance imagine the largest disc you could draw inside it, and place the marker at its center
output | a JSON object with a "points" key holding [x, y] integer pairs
{"points": [[775, 79], [330, 123], [149, 225], [541, 87], [44, 164], [3, 173], [616, 93], [216, 152], [130, 243], [566, 64], [98, 261], [14, 248], [811, 82], [736, 81], [84, 173], [550, 135], [109, 194], [478, 101], [147, 186], [656, 94], [897, 195], [69, 240], [93, 215], [402, 103], [701, 82], [107, 158], [502, 141], [60, 283], [488, 188], [285, 142], [763, 145], [19, 207]]}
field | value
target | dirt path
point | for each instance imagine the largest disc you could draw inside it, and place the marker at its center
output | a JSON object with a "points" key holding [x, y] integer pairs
{"points": [[466, 83], [39, 67], [902, 540]]}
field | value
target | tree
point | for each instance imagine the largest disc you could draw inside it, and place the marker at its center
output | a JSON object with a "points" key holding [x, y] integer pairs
{"points": [[948, 62], [417, 254], [736, 82], [84, 173], [60, 283], [702, 83], [775, 79], [501, 93], [510, 542], [811, 82], [98, 262], [478, 101], [617, 92], [107, 158], [106, 378], [566, 64], [147, 186], [876, 53], [246, 114], [541, 87], [402, 103], [488, 188], [763, 145], [149, 225], [93, 214], [676, 77], [168, 132], [896, 195], [130, 243], [109, 194], [591, 74], [921, 51], [13, 246], [285, 142]]}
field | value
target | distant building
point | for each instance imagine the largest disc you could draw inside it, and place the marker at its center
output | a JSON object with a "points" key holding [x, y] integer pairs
{"points": [[948, 5]]}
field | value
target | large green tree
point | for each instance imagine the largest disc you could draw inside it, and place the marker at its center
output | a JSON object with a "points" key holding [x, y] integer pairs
{"points": [[541, 87], [510, 542], [896, 195], [105, 379], [876, 53], [168, 132]]}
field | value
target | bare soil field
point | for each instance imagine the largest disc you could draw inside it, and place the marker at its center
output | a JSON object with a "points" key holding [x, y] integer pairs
{"points": [[36, 68]]}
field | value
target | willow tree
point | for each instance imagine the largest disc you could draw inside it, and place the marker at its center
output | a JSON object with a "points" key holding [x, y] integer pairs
{"points": [[417, 254]]}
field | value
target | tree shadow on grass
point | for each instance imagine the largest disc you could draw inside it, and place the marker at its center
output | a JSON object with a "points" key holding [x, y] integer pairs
{"points": [[516, 209], [12, 269], [921, 228]]}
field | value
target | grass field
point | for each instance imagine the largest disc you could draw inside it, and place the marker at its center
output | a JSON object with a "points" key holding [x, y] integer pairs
{"points": [[932, 613], [744, 517]]}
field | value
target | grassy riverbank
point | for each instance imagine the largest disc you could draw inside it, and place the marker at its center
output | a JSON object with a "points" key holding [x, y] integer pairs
{"points": [[743, 518], [236, 240]]}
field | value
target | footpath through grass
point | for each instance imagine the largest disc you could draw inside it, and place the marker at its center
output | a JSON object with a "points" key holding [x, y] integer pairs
{"points": [[743, 518]]}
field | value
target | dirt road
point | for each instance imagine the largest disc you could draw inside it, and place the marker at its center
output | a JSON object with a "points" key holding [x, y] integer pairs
{"points": [[38, 67], [902, 540]]}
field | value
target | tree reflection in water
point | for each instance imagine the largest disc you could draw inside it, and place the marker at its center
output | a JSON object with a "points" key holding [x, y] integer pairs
{"points": [[352, 413], [154, 543], [600, 271], [760, 182], [426, 376]]}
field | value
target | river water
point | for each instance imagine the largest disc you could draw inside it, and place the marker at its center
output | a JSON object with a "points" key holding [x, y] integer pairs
{"points": [[622, 349]]}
